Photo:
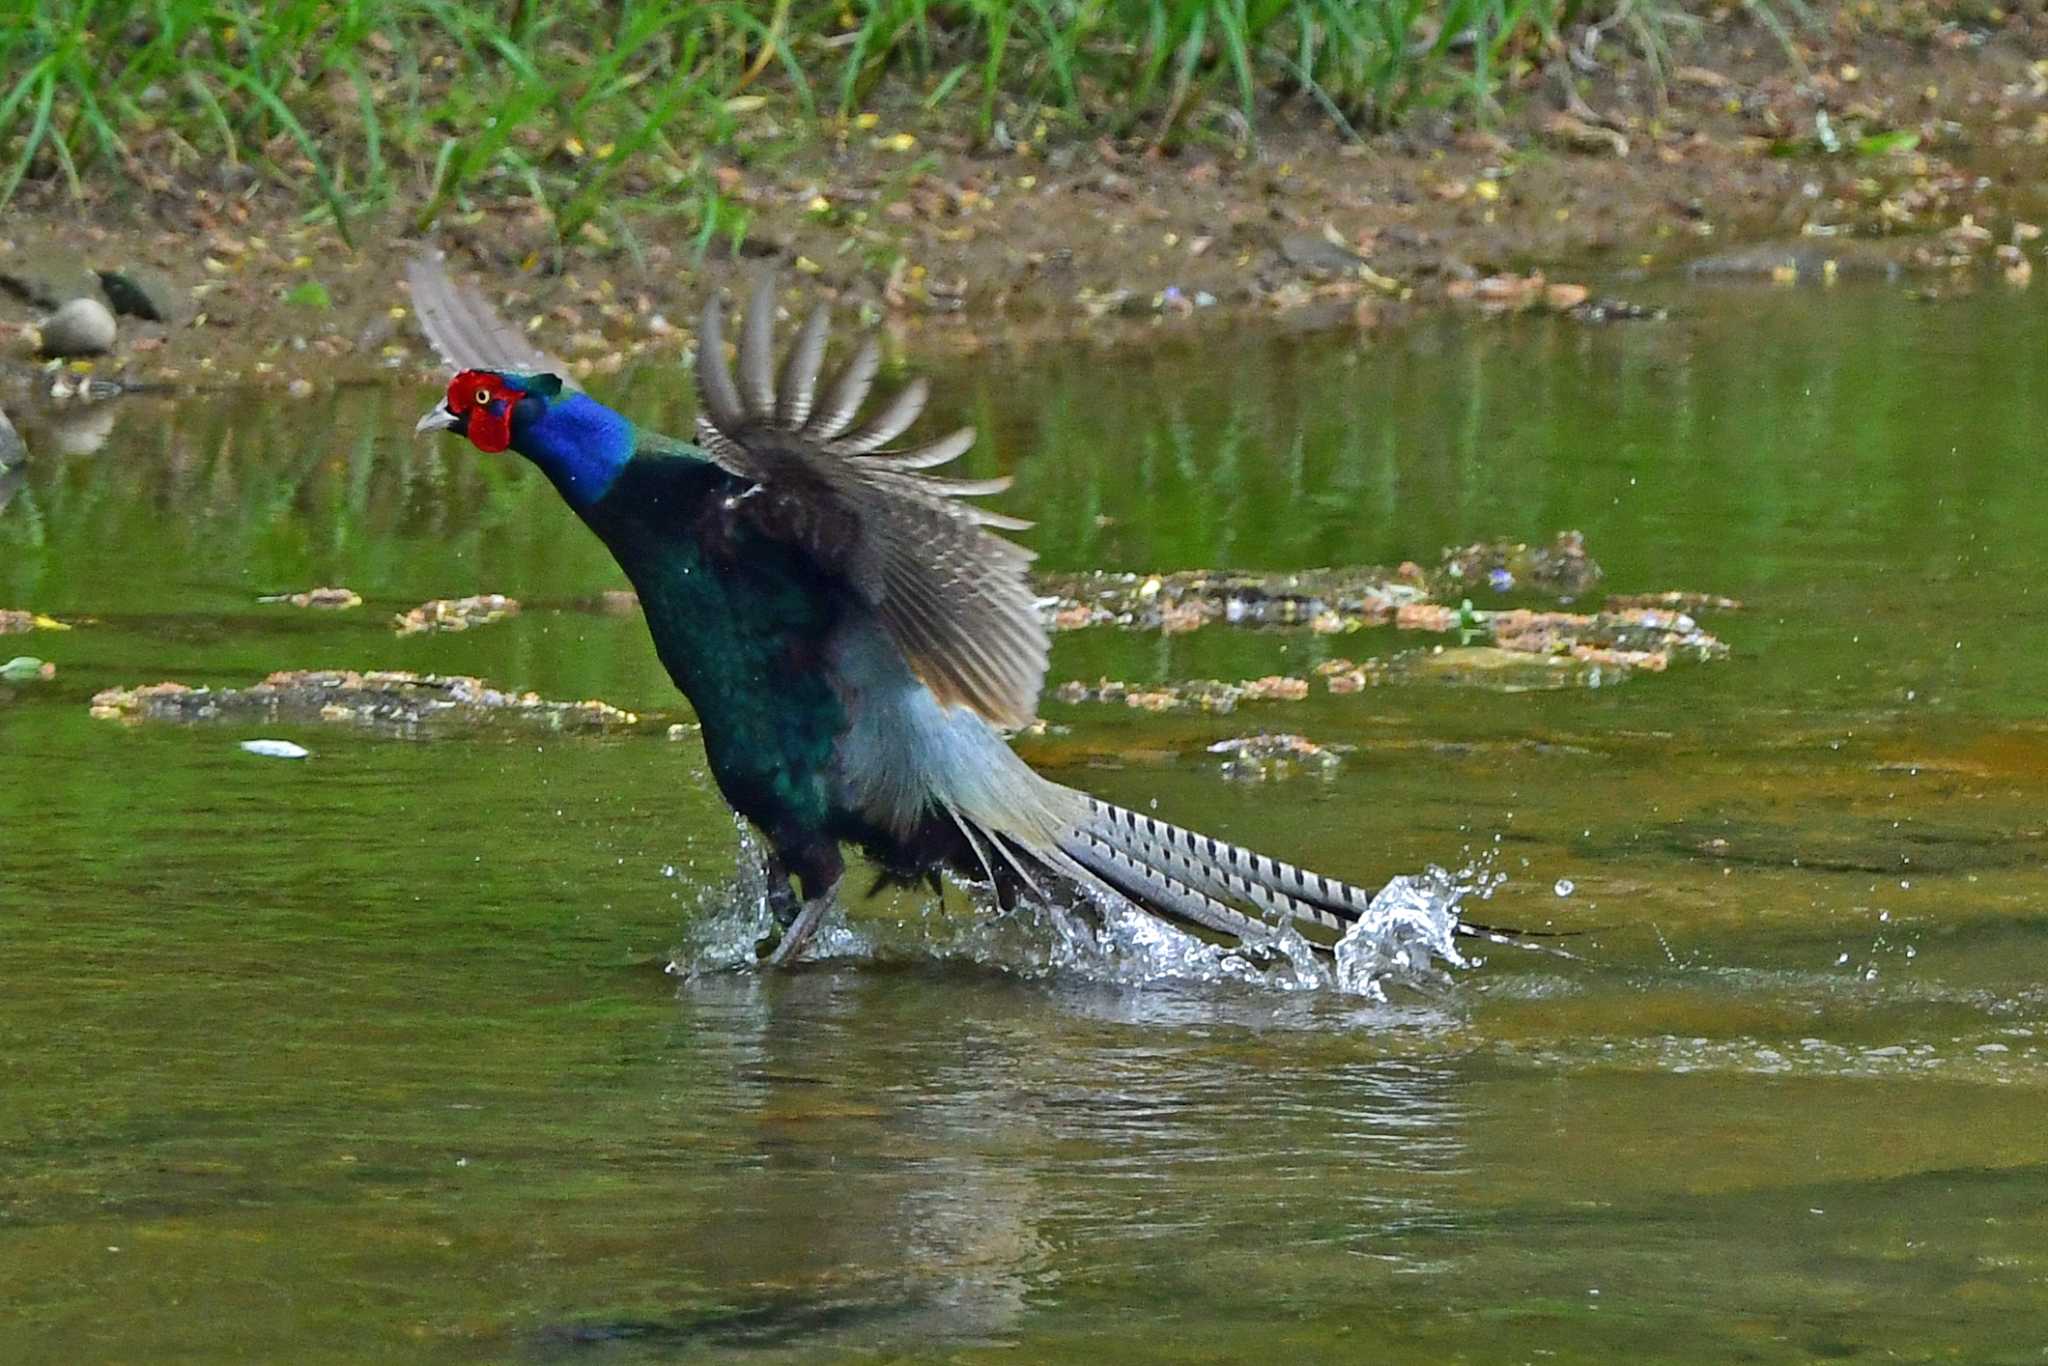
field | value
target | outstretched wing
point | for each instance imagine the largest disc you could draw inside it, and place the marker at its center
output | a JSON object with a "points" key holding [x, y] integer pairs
{"points": [[466, 332], [951, 595]]}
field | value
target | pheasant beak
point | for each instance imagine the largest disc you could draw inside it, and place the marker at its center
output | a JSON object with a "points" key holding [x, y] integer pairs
{"points": [[438, 419]]}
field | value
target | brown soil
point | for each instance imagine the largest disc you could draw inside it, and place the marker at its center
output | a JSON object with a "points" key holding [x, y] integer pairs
{"points": [[974, 248]]}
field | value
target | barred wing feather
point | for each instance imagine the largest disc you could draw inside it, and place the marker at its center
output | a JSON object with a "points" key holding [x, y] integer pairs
{"points": [[951, 595], [466, 332]]}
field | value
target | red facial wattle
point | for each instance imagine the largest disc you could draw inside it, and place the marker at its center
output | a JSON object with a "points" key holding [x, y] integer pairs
{"points": [[484, 403]]}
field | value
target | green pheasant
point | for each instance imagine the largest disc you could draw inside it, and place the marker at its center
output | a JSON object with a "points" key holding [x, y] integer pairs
{"points": [[854, 636]]}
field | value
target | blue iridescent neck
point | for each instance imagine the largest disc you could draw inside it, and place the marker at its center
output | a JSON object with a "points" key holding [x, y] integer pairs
{"points": [[579, 444]]}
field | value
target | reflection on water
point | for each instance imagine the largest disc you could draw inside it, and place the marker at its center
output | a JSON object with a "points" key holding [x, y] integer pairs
{"points": [[376, 1056]]}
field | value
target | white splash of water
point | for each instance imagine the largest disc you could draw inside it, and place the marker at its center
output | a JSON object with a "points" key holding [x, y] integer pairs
{"points": [[1411, 926], [725, 931], [1406, 937]]}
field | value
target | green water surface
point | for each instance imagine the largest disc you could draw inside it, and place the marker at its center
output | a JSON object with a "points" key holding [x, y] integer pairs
{"points": [[372, 1057]]}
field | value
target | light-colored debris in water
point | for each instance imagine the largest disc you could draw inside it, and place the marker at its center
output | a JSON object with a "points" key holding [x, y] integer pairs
{"points": [[27, 669], [1202, 694], [1326, 600], [276, 749], [328, 599], [15, 623], [1498, 294], [1677, 600], [1268, 757], [1562, 567], [1342, 676], [456, 614], [392, 699], [1274, 688], [1644, 638]]}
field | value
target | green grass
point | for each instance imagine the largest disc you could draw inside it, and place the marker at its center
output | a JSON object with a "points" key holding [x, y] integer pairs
{"points": [[594, 108]]}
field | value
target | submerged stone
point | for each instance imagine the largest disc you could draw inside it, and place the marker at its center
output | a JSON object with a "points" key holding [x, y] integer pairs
{"points": [[1675, 600], [1201, 694], [1563, 567], [1275, 757], [26, 669], [1806, 261], [14, 623], [142, 293], [12, 449], [456, 614], [48, 279], [1325, 600], [392, 699], [328, 599]]}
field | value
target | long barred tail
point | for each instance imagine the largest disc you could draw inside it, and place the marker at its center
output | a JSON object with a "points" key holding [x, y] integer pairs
{"points": [[1195, 878], [1018, 825]]}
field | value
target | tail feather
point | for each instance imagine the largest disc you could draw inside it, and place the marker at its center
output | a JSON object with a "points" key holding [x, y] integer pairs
{"points": [[1147, 885], [1221, 873], [1015, 822], [1194, 877]]}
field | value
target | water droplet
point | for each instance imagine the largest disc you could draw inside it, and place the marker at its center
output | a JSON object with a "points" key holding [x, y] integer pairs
{"points": [[1564, 887]]}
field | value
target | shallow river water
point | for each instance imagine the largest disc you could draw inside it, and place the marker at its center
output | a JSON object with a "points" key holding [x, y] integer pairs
{"points": [[374, 1056]]}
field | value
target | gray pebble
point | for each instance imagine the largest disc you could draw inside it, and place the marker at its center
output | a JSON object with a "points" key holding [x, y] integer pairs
{"points": [[141, 292], [1318, 255], [83, 327], [12, 450], [47, 279]]}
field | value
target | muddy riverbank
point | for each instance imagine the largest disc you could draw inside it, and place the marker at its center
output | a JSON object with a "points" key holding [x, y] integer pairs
{"points": [[1877, 147]]}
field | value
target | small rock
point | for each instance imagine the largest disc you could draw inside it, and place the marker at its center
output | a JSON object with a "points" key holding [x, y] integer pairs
{"points": [[1266, 757], [1800, 262], [404, 702], [1308, 251], [1701, 76], [1675, 600], [26, 669], [140, 292], [276, 749], [1563, 298], [15, 623], [1581, 136], [83, 327], [48, 279], [1275, 688], [12, 449], [456, 614], [1608, 310], [330, 599]]}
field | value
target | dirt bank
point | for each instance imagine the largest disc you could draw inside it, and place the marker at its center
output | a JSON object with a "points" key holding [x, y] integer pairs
{"points": [[1909, 149]]}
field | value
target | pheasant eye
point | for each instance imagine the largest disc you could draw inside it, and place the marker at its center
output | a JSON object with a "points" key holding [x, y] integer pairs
{"points": [[483, 398]]}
